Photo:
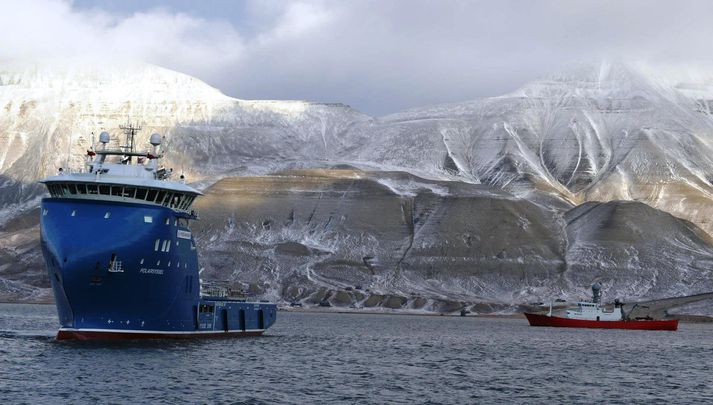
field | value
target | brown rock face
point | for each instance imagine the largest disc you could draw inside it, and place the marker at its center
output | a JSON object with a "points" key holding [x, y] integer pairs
{"points": [[22, 273]]}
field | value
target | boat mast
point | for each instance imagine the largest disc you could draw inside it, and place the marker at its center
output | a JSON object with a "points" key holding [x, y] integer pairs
{"points": [[130, 131]]}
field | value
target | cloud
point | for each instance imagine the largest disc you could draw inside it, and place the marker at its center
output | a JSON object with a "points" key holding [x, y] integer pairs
{"points": [[45, 30], [379, 56]]}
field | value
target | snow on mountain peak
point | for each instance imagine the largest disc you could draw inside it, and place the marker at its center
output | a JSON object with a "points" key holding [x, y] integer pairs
{"points": [[124, 82]]}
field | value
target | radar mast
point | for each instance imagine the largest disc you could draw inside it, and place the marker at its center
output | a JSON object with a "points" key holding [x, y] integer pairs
{"points": [[130, 131]]}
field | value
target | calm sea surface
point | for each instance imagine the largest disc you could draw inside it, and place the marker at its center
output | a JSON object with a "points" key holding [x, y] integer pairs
{"points": [[311, 358]]}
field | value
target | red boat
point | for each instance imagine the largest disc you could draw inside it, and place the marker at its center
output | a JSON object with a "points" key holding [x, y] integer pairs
{"points": [[593, 315], [559, 322]]}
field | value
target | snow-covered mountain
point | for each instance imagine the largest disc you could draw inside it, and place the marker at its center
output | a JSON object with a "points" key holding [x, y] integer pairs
{"points": [[598, 133], [48, 110], [608, 132]]}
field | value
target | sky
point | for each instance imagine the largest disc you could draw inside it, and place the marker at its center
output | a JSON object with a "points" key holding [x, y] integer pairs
{"points": [[379, 56]]}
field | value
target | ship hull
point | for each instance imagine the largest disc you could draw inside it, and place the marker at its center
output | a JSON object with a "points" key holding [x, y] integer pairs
{"points": [[130, 271], [559, 322]]}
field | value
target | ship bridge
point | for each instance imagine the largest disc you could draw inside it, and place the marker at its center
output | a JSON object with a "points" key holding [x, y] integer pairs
{"points": [[124, 175]]}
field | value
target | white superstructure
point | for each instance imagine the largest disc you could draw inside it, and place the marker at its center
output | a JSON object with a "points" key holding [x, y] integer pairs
{"points": [[594, 311], [132, 177]]}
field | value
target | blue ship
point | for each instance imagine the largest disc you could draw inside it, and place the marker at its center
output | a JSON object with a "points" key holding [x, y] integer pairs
{"points": [[121, 257]]}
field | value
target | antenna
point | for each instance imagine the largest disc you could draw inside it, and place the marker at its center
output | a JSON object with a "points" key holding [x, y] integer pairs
{"points": [[164, 148], [130, 131], [69, 152]]}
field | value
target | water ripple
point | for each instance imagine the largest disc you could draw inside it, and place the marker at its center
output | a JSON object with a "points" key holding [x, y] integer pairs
{"points": [[332, 358]]}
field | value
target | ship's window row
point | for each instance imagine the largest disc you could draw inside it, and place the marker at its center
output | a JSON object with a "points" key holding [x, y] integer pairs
{"points": [[176, 200]]}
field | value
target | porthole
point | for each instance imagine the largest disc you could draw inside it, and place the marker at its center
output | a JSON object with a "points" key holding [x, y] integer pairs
{"points": [[74, 213], [107, 215], [148, 219]]}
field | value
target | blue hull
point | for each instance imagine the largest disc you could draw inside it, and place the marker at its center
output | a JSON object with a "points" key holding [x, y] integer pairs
{"points": [[125, 269]]}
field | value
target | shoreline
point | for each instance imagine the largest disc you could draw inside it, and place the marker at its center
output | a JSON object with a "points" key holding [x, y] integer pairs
{"points": [[684, 318], [396, 312]]}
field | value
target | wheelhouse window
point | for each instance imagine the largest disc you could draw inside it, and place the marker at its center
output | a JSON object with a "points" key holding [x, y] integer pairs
{"points": [[172, 199], [168, 200], [161, 196], [177, 200]]}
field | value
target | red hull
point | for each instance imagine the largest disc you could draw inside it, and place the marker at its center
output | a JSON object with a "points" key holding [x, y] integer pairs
{"points": [[544, 320], [110, 335]]}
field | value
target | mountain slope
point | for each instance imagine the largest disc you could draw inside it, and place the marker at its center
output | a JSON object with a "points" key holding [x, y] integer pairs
{"points": [[600, 133], [307, 235], [485, 202]]}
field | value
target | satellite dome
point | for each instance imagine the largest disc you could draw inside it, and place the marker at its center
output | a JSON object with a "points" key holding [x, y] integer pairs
{"points": [[155, 139], [104, 137]]}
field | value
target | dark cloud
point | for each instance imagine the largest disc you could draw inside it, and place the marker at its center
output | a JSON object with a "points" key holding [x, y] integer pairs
{"points": [[379, 56]]}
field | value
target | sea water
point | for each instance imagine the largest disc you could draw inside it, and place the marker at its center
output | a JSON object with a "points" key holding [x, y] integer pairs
{"points": [[309, 358]]}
